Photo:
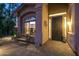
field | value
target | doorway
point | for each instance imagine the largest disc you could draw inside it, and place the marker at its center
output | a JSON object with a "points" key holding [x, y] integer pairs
{"points": [[57, 28]]}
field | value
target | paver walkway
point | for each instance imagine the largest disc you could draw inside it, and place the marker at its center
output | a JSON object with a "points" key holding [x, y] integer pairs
{"points": [[51, 48]]}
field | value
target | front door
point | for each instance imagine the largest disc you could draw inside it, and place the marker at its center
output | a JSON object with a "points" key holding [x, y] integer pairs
{"points": [[57, 28]]}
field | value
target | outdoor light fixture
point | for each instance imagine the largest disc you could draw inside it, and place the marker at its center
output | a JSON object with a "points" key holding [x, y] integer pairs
{"points": [[57, 14], [69, 23]]}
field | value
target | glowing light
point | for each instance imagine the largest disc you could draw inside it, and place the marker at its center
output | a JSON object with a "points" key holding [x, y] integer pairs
{"points": [[69, 23], [70, 26], [57, 14], [32, 22], [65, 25]]}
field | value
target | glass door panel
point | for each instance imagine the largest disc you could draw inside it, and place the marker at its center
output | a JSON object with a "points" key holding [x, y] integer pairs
{"points": [[27, 27], [32, 28]]}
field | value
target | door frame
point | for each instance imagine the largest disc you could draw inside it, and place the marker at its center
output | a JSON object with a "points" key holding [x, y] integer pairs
{"points": [[61, 16], [54, 15]]}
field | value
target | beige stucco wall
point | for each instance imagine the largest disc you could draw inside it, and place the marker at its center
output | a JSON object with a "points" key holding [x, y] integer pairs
{"points": [[45, 25]]}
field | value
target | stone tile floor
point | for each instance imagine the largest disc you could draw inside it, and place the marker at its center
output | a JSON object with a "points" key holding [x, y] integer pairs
{"points": [[51, 48]]}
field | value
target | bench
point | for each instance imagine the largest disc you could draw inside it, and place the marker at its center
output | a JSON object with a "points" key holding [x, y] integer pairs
{"points": [[24, 38]]}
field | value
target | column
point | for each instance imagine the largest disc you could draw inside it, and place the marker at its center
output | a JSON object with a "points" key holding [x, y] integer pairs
{"points": [[41, 24], [38, 35], [19, 26]]}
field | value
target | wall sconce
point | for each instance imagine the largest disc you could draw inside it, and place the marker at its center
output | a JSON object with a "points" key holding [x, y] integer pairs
{"points": [[67, 26], [69, 23]]}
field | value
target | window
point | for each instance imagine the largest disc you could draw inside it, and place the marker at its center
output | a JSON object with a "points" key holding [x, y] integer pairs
{"points": [[30, 25]]}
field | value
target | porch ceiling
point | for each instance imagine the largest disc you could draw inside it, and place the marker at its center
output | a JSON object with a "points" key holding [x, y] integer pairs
{"points": [[57, 7]]}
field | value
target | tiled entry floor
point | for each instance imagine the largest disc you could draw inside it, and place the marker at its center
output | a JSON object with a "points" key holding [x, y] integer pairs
{"points": [[51, 48], [58, 48]]}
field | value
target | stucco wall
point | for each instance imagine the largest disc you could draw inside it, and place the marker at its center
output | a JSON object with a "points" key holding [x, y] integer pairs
{"points": [[70, 17], [26, 10], [45, 25], [75, 13], [38, 35], [41, 36]]}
